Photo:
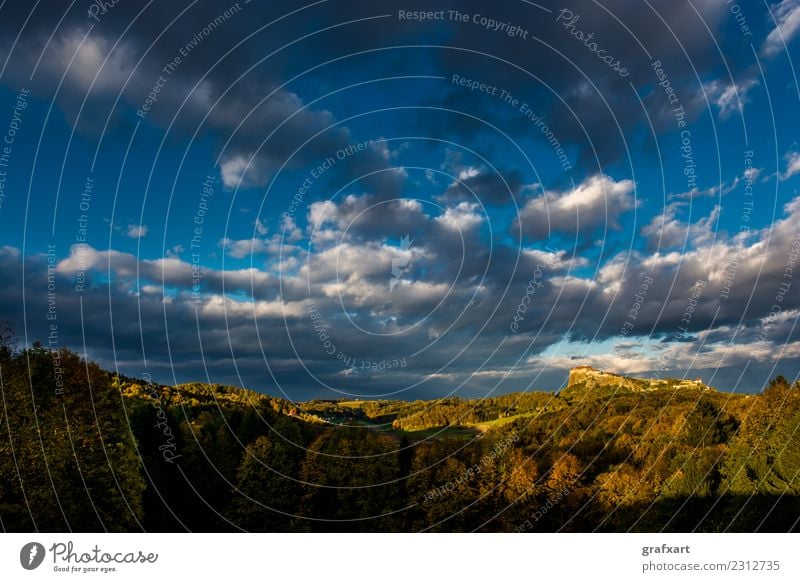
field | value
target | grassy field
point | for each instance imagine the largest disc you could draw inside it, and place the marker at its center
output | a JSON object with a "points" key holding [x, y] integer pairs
{"points": [[451, 432], [484, 426], [437, 433]]}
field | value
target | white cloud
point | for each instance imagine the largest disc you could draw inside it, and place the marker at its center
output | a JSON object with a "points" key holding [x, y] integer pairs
{"points": [[410, 297], [787, 16], [290, 229], [597, 200], [136, 231], [792, 165], [354, 217], [722, 189], [749, 176], [219, 305], [170, 271], [729, 97], [553, 260], [667, 230], [752, 174], [352, 263], [320, 213], [176, 251], [239, 249], [86, 258], [468, 173], [669, 357], [239, 171], [463, 217]]}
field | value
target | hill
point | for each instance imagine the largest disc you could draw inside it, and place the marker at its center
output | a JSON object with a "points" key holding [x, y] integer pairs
{"points": [[607, 453], [587, 382]]}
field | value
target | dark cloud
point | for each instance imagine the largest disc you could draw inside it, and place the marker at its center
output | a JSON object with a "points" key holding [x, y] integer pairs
{"points": [[481, 184], [720, 295], [233, 63]]}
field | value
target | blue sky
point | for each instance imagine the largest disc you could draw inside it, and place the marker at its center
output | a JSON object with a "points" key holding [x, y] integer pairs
{"points": [[255, 169]]}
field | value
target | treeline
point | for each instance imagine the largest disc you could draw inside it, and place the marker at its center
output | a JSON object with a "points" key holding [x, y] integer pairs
{"points": [[84, 450], [456, 411], [426, 414], [68, 457]]}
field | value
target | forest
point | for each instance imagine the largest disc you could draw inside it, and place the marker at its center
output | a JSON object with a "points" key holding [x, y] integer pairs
{"points": [[85, 449]]}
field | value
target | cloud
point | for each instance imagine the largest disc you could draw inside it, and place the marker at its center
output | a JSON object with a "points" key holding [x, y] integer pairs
{"points": [[365, 217], [667, 231], [463, 218], [722, 189], [169, 271], [117, 67], [436, 310], [175, 251], [679, 359], [89, 62], [269, 134], [461, 287], [731, 97], [372, 167], [136, 231], [787, 19], [752, 174], [239, 249], [576, 78], [290, 230], [792, 165], [586, 105], [232, 172], [484, 185], [598, 200]]}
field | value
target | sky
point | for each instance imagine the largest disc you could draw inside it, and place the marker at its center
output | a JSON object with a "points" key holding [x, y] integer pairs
{"points": [[403, 199]]}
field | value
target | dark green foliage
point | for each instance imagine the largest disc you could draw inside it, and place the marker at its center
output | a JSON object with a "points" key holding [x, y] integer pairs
{"points": [[67, 456], [350, 473]]}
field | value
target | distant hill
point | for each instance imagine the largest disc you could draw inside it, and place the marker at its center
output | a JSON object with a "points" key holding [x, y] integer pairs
{"points": [[588, 382]]}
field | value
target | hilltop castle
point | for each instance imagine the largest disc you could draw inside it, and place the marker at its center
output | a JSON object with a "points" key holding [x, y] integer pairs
{"points": [[591, 377]]}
